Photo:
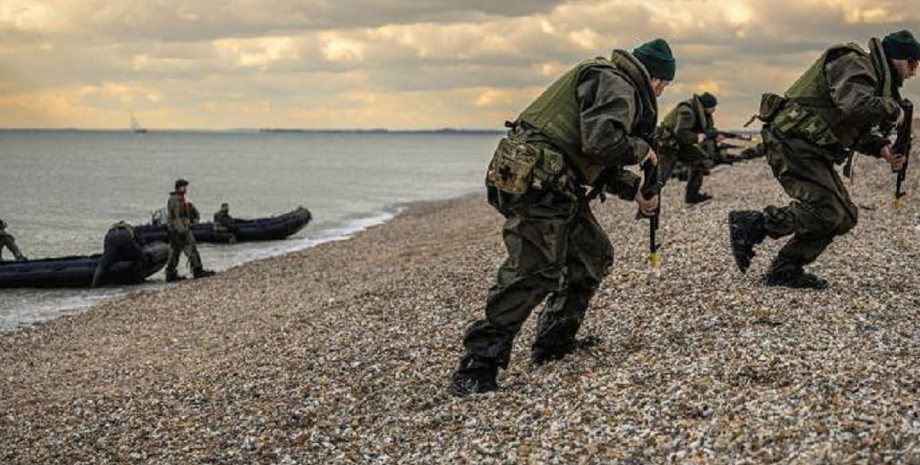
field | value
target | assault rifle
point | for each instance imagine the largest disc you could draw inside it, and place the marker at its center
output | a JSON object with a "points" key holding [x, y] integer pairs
{"points": [[715, 135], [902, 147], [650, 189]]}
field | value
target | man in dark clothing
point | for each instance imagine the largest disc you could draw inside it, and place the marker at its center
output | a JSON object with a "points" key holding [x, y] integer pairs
{"points": [[682, 137], [597, 118], [835, 108], [7, 240], [120, 245], [181, 239], [223, 220]]}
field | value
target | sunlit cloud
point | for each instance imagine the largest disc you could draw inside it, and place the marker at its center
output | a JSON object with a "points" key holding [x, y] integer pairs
{"points": [[397, 64]]}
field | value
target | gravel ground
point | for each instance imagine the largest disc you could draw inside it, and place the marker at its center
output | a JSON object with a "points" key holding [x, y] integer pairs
{"points": [[341, 353]]}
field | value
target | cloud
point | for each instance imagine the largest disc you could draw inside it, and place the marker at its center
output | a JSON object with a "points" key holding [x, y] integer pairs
{"points": [[390, 63]]}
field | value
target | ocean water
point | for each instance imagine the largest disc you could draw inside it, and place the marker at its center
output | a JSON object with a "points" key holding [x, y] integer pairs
{"points": [[61, 190]]}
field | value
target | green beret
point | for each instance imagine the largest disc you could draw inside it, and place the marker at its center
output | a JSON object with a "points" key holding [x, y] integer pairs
{"points": [[708, 100], [901, 45], [657, 58]]}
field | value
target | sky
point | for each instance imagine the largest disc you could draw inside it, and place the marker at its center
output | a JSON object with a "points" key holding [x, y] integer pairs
{"points": [[397, 64]]}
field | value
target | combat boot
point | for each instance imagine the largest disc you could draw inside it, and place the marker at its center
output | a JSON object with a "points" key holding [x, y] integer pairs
{"points": [[746, 229], [541, 355], [785, 274], [474, 376], [202, 273], [173, 276], [699, 197]]}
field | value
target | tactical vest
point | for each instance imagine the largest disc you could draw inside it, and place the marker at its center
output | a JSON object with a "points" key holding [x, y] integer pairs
{"points": [[556, 113], [810, 111], [668, 128]]}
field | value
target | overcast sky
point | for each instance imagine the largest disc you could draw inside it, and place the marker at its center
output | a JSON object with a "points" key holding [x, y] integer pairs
{"points": [[401, 64]]}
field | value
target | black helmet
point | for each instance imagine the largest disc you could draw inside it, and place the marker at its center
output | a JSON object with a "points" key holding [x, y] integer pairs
{"points": [[181, 183], [2, 225]]}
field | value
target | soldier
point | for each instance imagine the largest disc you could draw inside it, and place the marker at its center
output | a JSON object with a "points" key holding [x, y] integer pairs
{"points": [[683, 137], [223, 220], [595, 119], [120, 244], [833, 109], [7, 240], [181, 239]]}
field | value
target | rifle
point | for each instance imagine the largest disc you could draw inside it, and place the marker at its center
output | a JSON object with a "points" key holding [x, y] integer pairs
{"points": [[902, 146], [714, 135], [649, 189]]}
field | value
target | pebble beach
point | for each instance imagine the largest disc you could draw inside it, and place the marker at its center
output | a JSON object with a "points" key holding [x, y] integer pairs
{"points": [[341, 353]]}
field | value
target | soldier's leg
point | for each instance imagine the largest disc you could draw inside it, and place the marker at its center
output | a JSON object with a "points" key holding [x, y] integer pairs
{"points": [[534, 238], [589, 256], [822, 210], [9, 242], [667, 160], [695, 184]]}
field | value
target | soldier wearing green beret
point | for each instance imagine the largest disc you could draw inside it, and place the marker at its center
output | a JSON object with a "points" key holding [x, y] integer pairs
{"points": [[834, 109], [682, 138], [597, 118], [181, 238]]}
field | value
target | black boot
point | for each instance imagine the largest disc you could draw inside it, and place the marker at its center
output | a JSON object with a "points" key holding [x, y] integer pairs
{"points": [[474, 376], [746, 229], [696, 198], [172, 276], [541, 355], [202, 273], [787, 274]]}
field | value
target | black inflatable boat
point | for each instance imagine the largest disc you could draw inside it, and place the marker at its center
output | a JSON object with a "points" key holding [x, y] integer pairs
{"points": [[262, 229], [78, 271]]}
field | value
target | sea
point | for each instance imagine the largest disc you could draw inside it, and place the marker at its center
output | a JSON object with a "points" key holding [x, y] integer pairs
{"points": [[60, 190]]}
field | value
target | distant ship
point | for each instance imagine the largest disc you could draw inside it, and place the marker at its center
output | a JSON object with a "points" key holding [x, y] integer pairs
{"points": [[136, 127]]}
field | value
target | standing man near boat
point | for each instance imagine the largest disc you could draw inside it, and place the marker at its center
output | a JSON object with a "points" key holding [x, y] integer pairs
{"points": [[832, 111], [7, 240], [181, 239], [597, 118], [682, 137]]}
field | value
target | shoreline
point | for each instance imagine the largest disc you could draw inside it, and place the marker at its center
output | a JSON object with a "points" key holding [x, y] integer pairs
{"points": [[76, 301], [340, 353]]}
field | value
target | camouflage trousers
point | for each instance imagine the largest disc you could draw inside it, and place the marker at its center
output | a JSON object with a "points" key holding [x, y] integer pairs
{"points": [[695, 160], [556, 249], [182, 243], [821, 209]]}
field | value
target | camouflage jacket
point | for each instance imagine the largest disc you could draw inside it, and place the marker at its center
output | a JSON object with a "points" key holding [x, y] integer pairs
{"points": [[177, 214]]}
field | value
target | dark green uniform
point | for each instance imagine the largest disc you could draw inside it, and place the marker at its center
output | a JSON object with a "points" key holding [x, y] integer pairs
{"points": [[599, 116], [678, 138], [7, 240], [829, 112], [181, 239]]}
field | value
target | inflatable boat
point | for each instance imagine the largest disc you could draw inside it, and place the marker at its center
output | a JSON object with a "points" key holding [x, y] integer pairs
{"points": [[78, 271], [262, 229]]}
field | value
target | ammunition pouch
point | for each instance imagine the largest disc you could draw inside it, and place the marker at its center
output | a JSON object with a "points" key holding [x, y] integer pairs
{"points": [[770, 106], [799, 119], [519, 167]]}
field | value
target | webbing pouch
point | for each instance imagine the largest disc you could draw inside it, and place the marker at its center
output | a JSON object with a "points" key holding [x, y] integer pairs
{"points": [[512, 168]]}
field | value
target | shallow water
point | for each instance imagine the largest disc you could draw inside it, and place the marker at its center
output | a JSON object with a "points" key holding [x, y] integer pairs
{"points": [[63, 189]]}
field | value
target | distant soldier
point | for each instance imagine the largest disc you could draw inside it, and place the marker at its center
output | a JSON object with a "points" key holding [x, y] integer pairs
{"points": [[181, 239], [686, 136], [120, 245], [222, 219], [595, 119], [7, 240], [835, 108]]}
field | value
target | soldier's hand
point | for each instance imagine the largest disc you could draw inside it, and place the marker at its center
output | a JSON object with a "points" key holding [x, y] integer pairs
{"points": [[651, 156], [896, 160], [647, 206], [900, 119], [700, 138]]}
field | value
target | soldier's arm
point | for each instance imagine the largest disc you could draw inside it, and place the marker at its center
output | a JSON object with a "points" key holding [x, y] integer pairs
{"points": [[608, 107], [684, 129], [852, 82]]}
